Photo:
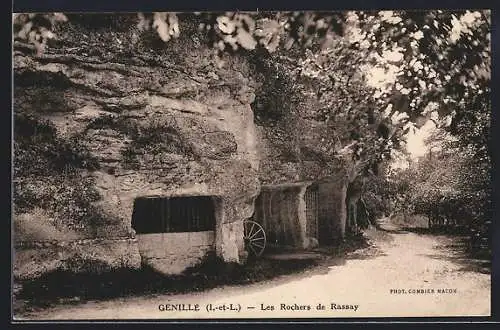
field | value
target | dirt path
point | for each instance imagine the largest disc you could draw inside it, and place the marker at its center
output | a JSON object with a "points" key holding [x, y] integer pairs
{"points": [[359, 286]]}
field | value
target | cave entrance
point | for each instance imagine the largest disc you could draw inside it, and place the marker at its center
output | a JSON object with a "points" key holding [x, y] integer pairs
{"points": [[319, 211], [174, 233], [312, 211], [173, 214], [277, 210]]}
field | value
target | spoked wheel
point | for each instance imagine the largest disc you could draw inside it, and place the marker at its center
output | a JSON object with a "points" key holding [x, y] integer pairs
{"points": [[254, 238]]}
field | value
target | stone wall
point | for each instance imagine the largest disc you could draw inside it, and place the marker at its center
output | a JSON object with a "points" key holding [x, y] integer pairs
{"points": [[172, 253]]}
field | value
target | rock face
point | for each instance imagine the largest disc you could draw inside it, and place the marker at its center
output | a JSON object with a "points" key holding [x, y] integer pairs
{"points": [[163, 121], [155, 129]]}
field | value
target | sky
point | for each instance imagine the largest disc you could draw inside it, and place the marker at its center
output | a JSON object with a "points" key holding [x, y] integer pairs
{"points": [[415, 140]]}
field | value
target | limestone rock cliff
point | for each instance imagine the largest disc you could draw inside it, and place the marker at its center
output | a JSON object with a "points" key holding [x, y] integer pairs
{"points": [[152, 125], [108, 114]]}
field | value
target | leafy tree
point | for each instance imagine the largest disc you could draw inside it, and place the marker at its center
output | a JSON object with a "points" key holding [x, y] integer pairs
{"points": [[450, 186]]}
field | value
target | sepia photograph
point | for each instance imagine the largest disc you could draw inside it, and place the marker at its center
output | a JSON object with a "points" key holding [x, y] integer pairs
{"points": [[251, 165]]}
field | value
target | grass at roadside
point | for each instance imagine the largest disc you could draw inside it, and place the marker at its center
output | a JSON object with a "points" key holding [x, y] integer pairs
{"points": [[65, 287]]}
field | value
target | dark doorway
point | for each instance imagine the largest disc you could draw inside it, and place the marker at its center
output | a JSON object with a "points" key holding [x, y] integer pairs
{"points": [[174, 214], [312, 211], [276, 211], [327, 211]]}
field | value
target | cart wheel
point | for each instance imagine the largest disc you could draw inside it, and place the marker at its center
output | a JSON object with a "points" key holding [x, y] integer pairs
{"points": [[254, 238]]}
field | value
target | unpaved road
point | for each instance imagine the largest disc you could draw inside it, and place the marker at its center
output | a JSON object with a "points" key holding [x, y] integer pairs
{"points": [[398, 260]]}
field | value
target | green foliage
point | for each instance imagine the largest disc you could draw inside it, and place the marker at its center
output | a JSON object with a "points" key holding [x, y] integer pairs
{"points": [[451, 183], [436, 55], [69, 199], [442, 56], [39, 151], [379, 195], [472, 127], [347, 103], [249, 30], [50, 174], [154, 138], [160, 136], [280, 97], [36, 28]]}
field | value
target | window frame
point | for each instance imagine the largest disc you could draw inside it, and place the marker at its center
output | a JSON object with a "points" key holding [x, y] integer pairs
{"points": [[173, 214]]}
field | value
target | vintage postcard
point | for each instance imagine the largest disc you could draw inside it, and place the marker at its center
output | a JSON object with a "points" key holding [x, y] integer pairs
{"points": [[251, 165]]}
